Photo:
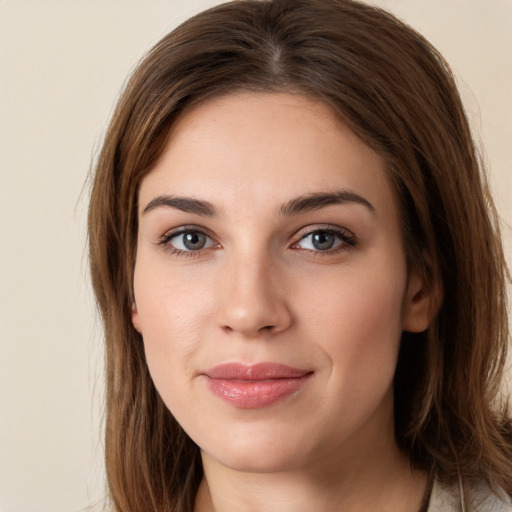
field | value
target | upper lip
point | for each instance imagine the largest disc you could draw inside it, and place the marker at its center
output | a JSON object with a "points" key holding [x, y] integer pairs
{"points": [[254, 372]]}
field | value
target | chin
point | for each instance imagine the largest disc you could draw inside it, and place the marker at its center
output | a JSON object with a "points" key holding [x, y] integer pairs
{"points": [[256, 460], [269, 450]]}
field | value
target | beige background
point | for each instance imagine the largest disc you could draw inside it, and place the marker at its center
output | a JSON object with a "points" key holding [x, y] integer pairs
{"points": [[61, 66]]}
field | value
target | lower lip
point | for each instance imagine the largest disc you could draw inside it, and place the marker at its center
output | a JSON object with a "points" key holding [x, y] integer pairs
{"points": [[246, 394]]}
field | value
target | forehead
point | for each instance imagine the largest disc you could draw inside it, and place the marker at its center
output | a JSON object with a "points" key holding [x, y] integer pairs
{"points": [[268, 147]]}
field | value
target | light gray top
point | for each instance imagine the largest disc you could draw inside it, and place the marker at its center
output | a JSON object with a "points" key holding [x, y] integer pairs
{"points": [[478, 499]]}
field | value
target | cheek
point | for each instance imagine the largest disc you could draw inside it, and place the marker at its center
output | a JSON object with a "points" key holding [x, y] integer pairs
{"points": [[171, 315], [356, 319], [170, 302], [358, 329]]}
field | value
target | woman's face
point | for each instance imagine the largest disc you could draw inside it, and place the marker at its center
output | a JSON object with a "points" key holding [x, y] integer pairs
{"points": [[271, 286]]}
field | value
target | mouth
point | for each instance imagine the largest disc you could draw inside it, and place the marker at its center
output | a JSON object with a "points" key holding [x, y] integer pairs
{"points": [[255, 386]]}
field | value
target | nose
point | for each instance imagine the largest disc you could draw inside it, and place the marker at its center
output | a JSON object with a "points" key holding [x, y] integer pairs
{"points": [[253, 300]]}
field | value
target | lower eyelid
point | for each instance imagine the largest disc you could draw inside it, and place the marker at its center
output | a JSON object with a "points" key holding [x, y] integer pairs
{"points": [[184, 254]]}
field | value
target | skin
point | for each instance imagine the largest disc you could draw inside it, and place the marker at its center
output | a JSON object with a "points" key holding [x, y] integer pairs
{"points": [[260, 290]]}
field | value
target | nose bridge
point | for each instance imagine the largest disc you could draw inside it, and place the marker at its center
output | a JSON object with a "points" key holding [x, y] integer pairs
{"points": [[254, 300]]}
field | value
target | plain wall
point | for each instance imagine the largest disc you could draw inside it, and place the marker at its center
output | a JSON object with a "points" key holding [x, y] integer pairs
{"points": [[62, 64]]}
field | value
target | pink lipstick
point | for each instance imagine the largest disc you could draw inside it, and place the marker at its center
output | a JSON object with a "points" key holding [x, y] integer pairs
{"points": [[255, 386]]}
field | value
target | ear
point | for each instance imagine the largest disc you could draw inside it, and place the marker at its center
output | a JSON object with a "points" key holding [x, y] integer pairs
{"points": [[422, 302], [135, 318]]}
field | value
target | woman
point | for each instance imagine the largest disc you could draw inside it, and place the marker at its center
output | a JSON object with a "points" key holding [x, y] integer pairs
{"points": [[300, 272]]}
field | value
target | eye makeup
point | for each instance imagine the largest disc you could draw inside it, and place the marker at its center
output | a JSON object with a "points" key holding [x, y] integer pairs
{"points": [[196, 241]]}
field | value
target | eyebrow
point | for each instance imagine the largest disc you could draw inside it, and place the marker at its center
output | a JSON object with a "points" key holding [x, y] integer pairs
{"points": [[318, 200], [302, 204], [185, 204]]}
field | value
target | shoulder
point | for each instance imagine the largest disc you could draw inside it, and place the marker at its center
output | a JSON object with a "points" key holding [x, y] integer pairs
{"points": [[479, 498]]}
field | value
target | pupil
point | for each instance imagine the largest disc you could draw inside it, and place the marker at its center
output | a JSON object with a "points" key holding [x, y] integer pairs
{"points": [[194, 240], [323, 240]]}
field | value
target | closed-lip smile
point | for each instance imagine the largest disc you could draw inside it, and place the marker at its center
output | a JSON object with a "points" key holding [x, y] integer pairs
{"points": [[255, 386]]}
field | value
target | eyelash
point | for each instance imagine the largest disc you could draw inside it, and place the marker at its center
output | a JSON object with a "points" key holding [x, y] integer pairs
{"points": [[347, 241], [166, 239]]}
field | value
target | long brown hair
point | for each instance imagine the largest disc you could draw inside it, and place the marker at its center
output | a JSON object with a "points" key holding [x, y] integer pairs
{"points": [[395, 91]]}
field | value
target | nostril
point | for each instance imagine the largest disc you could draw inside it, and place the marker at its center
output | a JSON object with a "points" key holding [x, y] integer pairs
{"points": [[265, 328]]}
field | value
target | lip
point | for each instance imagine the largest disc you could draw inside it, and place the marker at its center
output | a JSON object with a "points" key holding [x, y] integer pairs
{"points": [[255, 386]]}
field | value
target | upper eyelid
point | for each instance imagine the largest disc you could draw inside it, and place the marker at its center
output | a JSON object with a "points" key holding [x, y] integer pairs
{"points": [[308, 230], [170, 233]]}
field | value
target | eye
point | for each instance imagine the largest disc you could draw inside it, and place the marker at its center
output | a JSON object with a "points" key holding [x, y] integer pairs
{"points": [[325, 240], [189, 240]]}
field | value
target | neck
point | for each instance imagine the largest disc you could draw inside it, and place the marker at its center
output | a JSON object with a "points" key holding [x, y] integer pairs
{"points": [[377, 479]]}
